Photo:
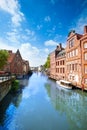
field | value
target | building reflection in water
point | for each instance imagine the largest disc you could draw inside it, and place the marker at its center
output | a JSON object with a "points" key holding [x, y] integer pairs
{"points": [[73, 103]]}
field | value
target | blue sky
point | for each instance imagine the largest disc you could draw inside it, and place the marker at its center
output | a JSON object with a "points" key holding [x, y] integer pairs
{"points": [[35, 27]]}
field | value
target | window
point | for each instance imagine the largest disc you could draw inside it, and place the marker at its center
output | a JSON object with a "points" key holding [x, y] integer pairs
{"points": [[85, 56], [72, 66], [76, 67], [63, 70], [71, 43], [76, 52], [85, 69], [58, 70], [58, 62], [63, 62], [85, 45], [85, 81], [70, 54]]}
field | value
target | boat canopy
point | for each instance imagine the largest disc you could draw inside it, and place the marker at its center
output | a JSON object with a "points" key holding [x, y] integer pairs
{"points": [[64, 81]]}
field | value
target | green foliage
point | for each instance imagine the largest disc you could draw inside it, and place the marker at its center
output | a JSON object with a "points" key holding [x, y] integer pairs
{"points": [[15, 85], [47, 63], [3, 58]]}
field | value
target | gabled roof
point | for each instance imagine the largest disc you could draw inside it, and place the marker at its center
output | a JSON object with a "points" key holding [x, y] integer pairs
{"points": [[72, 35], [12, 55], [61, 53]]}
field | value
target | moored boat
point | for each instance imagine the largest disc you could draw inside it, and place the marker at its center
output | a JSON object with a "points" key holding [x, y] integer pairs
{"points": [[64, 84]]}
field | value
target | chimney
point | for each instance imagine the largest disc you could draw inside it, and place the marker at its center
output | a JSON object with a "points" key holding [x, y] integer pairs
{"points": [[85, 29], [60, 45]]}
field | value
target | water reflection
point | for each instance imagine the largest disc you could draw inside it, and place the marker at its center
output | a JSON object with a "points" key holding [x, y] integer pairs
{"points": [[73, 103], [10, 103], [8, 106], [41, 105]]}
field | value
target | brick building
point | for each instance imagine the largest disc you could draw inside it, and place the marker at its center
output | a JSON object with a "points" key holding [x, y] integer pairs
{"points": [[60, 65], [57, 63], [15, 63], [71, 64], [73, 59], [83, 42], [76, 59]]}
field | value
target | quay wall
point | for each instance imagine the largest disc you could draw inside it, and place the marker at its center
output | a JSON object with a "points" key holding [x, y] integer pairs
{"points": [[5, 87]]}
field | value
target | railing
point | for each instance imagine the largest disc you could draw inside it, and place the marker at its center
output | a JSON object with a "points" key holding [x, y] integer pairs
{"points": [[6, 77]]}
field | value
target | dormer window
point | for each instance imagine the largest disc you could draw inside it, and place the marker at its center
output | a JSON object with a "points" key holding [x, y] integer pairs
{"points": [[71, 43]]}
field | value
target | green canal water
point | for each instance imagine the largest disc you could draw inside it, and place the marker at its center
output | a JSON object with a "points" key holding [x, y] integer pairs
{"points": [[43, 105]]}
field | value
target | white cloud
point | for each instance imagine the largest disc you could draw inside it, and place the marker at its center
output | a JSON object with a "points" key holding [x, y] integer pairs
{"points": [[57, 37], [47, 19], [79, 23], [12, 7], [27, 50], [13, 36], [50, 43], [34, 55], [16, 38], [29, 32], [54, 27], [46, 50], [4, 45], [39, 27]]}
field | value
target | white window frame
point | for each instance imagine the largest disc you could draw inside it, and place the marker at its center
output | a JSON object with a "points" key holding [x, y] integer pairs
{"points": [[76, 52]]}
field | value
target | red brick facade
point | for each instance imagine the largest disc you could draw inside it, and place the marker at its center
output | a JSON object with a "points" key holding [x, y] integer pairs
{"points": [[72, 65], [57, 63], [83, 42], [60, 65], [15, 64], [73, 59]]}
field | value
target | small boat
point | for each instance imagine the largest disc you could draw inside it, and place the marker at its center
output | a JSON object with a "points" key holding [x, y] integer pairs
{"points": [[64, 84]]}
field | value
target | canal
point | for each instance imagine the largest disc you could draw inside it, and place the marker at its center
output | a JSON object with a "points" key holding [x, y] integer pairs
{"points": [[43, 105]]}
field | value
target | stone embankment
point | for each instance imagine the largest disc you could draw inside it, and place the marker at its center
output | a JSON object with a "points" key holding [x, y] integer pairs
{"points": [[5, 85]]}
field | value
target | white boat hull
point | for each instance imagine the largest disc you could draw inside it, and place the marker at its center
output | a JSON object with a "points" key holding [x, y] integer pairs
{"points": [[64, 86]]}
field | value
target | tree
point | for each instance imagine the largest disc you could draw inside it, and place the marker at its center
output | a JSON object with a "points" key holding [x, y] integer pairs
{"points": [[3, 58], [47, 63]]}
